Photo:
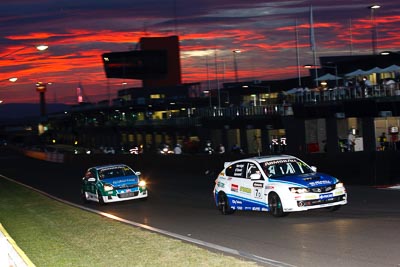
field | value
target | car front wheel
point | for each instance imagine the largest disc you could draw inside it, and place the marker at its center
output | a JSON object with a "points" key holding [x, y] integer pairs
{"points": [[223, 204], [275, 205], [83, 197], [100, 198]]}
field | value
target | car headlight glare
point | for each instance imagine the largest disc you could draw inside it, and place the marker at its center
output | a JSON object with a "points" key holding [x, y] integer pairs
{"points": [[142, 183], [299, 190], [339, 185], [108, 187]]}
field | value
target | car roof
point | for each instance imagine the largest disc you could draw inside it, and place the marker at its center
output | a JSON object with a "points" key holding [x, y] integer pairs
{"points": [[262, 159], [110, 166]]}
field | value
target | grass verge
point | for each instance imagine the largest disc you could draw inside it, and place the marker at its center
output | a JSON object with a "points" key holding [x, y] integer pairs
{"points": [[55, 234]]}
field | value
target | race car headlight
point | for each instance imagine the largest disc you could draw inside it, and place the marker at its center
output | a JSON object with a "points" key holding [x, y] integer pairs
{"points": [[142, 183], [339, 185], [108, 187], [298, 190]]}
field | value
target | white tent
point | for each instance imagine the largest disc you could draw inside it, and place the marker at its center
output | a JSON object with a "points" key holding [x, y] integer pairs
{"points": [[292, 91], [328, 77], [374, 70], [392, 68], [357, 72]]}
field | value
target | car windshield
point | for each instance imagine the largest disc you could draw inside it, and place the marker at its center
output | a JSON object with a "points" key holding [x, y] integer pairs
{"points": [[115, 172], [285, 167]]}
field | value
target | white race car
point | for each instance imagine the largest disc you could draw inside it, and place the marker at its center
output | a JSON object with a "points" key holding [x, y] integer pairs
{"points": [[278, 184]]}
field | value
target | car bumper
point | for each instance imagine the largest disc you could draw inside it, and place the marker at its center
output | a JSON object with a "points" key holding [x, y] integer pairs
{"points": [[302, 202], [123, 196]]}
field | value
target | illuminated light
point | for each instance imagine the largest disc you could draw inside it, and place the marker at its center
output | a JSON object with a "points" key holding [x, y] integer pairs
{"points": [[76, 142], [53, 141], [297, 190], [106, 59], [13, 79], [374, 7], [42, 47], [108, 187], [339, 185], [385, 53], [142, 183]]}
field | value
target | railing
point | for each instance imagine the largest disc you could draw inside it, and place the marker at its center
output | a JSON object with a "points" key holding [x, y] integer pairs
{"points": [[270, 109], [343, 93]]}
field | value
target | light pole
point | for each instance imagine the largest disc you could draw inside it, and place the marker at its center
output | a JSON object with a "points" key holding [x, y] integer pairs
{"points": [[235, 65], [208, 92], [374, 34]]}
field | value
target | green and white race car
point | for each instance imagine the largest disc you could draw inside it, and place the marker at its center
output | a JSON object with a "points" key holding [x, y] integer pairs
{"points": [[112, 183]]}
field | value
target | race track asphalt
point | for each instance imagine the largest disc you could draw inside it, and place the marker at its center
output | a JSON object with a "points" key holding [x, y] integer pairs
{"points": [[366, 232]]}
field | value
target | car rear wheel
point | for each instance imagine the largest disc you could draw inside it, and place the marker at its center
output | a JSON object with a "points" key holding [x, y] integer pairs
{"points": [[223, 204], [100, 198], [275, 205]]}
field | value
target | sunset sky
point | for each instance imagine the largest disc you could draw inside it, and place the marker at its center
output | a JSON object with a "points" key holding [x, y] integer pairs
{"points": [[78, 32]]}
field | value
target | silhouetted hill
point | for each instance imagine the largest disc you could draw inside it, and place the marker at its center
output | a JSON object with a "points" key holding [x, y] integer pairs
{"points": [[19, 112]]}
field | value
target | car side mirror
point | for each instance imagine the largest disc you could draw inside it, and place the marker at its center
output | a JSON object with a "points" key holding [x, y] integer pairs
{"points": [[255, 176], [138, 173], [314, 168]]}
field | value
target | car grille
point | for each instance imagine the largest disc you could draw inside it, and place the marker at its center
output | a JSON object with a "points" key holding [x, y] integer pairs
{"points": [[126, 186], [129, 194], [314, 202], [322, 189]]}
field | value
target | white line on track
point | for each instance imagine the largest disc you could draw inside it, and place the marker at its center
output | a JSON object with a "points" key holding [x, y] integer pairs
{"points": [[235, 252]]}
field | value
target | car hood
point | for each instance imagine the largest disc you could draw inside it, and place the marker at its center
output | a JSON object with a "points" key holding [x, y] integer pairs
{"points": [[307, 180], [121, 181]]}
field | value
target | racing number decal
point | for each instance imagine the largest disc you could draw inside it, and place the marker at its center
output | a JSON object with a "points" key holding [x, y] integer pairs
{"points": [[258, 187], [257, 192]]}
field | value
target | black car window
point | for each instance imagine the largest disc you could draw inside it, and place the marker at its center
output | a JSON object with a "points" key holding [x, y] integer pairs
{"points": [[285, 167], [251, 169], [89, 174], [237, 170], [115, 172]]}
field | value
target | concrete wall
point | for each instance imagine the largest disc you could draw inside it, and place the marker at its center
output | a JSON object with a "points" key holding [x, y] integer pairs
{"points": [[358, 168]]}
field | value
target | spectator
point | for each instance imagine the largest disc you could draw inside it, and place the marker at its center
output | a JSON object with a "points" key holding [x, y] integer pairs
{"points": [[221, 149], [383, 141], [236, 149], [177, 149], [351, 140]]}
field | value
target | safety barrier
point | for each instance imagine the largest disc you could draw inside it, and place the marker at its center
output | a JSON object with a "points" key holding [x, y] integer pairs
{"points": [[10, 254], [47, 156]]}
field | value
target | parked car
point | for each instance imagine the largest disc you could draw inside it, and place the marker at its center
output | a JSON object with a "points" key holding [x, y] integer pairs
{"points": [[278, 184], [111, 183]]}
